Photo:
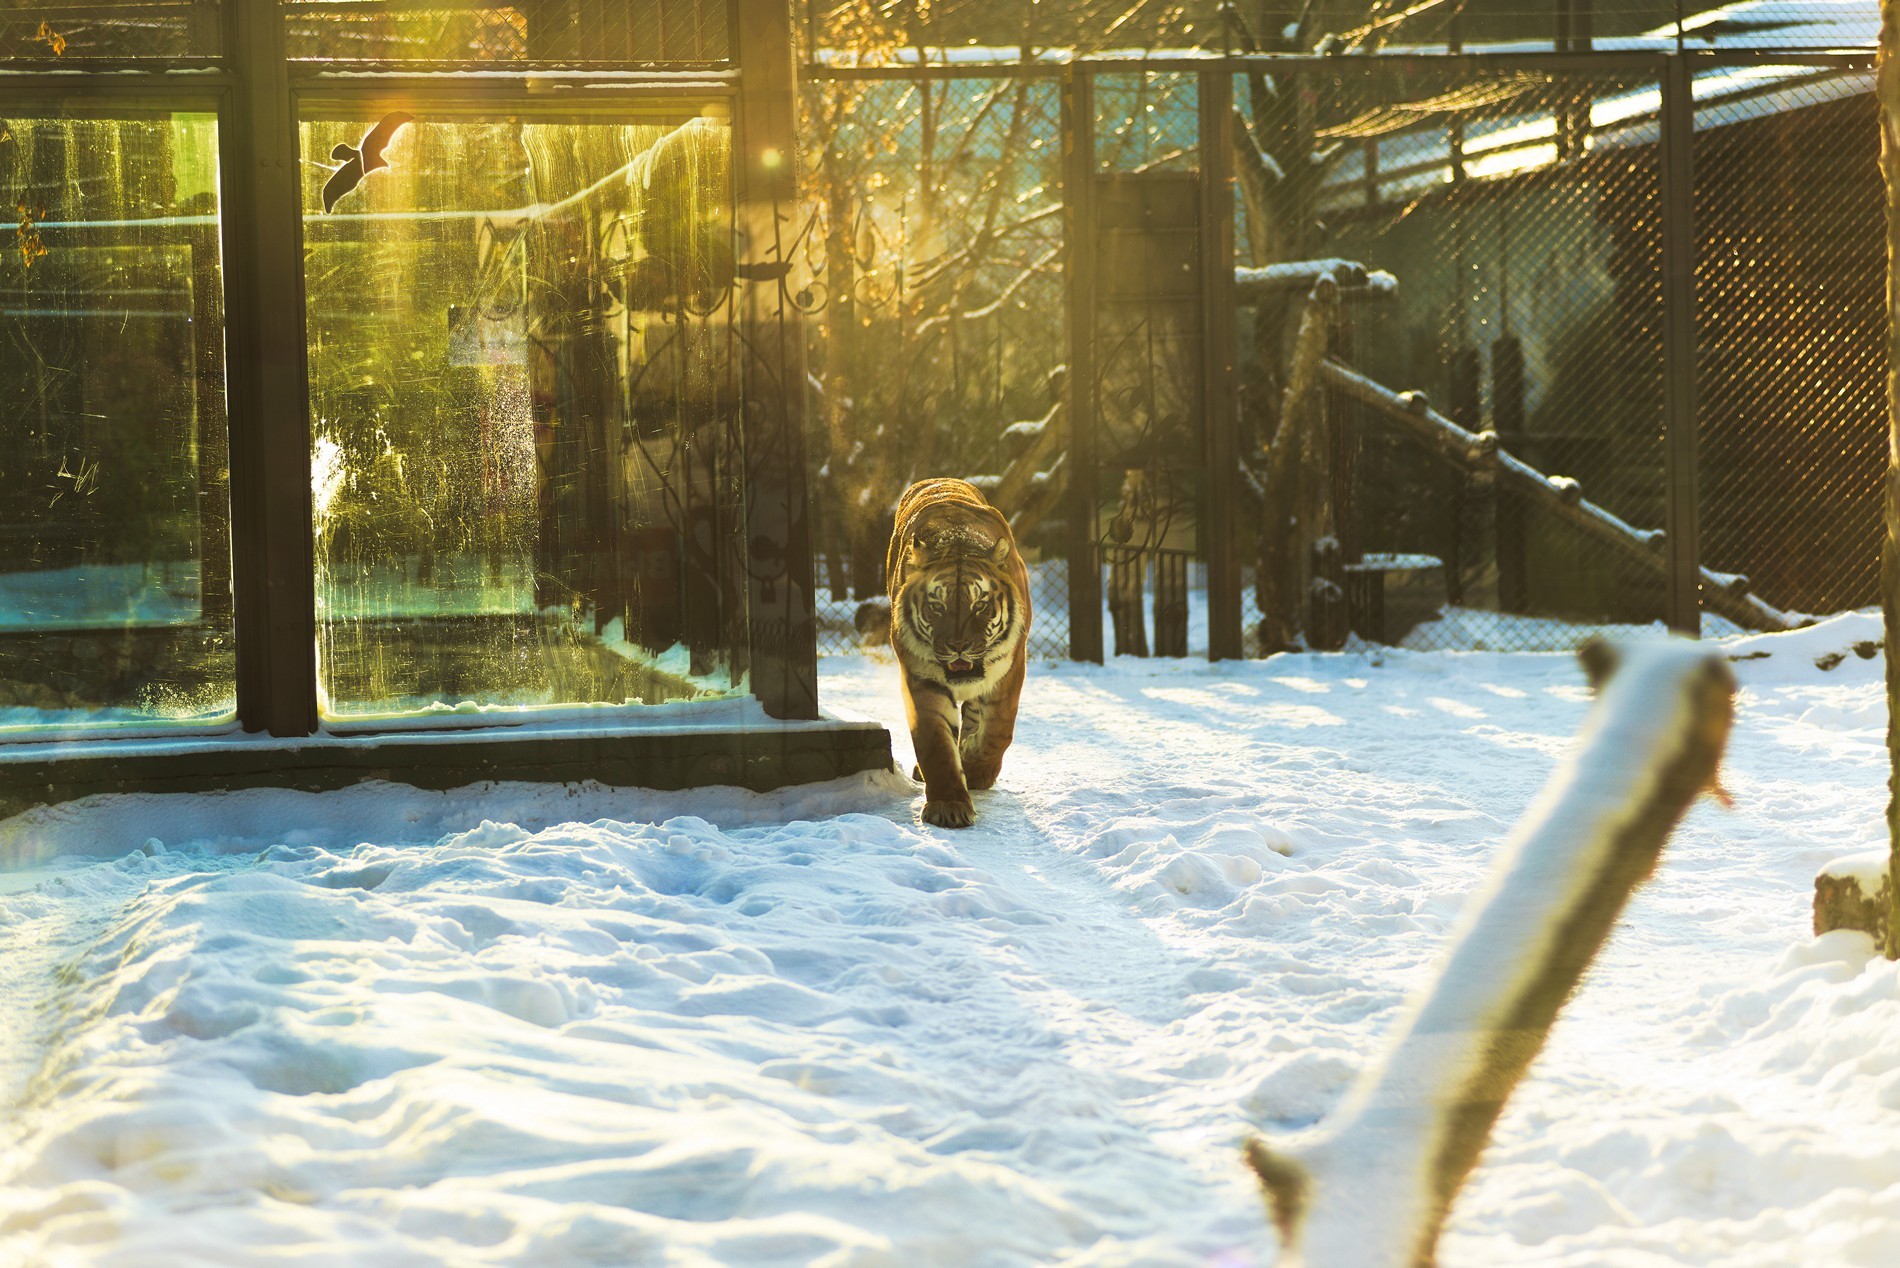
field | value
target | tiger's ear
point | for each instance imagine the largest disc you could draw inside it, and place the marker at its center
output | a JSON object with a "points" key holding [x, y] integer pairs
{"points": [[919, 552], [1000, 555]]}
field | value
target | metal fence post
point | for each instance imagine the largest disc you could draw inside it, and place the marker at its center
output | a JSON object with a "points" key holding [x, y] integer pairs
{"points": [[1681, 517], [1084, 492], [1220, 308], [783, 651]]}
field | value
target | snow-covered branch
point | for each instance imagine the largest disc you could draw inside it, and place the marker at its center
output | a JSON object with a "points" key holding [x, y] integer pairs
{"points": [[1272, 281], [1372, 1187], [1003, 296]]}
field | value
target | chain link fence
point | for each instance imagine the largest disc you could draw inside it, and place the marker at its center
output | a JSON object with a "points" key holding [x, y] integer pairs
{"points": [[1523, 243], [1494, 462], [935, 323], [1791, 323]]}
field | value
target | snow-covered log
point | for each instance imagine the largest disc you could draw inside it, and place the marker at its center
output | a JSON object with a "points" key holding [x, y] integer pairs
{"points": [[1047, 436], [1559, 495], [1372, 1187], [1853, 893], [1274, 281]]}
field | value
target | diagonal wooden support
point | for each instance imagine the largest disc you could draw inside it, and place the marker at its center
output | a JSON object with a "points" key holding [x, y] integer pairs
{"points": [[1409, 412], [1372, 1187]]}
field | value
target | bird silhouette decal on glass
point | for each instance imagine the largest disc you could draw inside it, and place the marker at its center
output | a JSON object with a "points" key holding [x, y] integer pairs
{"points": [[360, 161]]}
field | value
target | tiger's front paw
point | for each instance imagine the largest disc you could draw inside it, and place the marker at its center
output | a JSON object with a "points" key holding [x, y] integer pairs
{"points": [[950, 814]]}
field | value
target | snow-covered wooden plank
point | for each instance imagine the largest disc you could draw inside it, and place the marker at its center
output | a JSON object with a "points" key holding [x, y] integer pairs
{"points": [[1050, 436], [1371, 1188]]}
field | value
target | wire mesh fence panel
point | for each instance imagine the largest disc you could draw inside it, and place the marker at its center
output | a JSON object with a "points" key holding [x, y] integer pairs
{"points": [[433, 34], [92, 30], [1792, 335], [934, 318], [1519, 215], [1149, 398]]}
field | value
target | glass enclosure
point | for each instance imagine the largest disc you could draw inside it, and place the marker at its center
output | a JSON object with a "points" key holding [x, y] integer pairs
{"points": [[524, 406], [115, 575]]}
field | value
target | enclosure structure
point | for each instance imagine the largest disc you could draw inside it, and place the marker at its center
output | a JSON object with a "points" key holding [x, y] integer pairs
{"points": [[1500, 332], [402, 389]]}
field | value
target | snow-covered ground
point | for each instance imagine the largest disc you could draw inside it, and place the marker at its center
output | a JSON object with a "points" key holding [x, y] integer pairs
{"points": [[539, 1026]]}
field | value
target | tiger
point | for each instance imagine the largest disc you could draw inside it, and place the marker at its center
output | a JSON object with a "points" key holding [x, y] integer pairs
{"points": [[960, 630]]}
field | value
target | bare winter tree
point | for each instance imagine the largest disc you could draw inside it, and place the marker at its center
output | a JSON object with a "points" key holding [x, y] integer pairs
{"points": [[935, 255], [938, 209]]}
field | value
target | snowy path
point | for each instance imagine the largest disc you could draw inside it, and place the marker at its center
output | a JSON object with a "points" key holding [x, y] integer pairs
{"points": [[527, 1026]]}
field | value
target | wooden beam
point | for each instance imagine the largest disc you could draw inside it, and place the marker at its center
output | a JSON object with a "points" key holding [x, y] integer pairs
{"points": [[1373, 1186], [635, 755], [1478, 451], [1008, 494]]}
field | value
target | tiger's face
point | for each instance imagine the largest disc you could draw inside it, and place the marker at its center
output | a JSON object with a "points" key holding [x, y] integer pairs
{"points": [[958, 616]]}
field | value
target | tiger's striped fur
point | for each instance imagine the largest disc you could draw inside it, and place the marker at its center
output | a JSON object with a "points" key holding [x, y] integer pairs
{"points": [[960, 628]]}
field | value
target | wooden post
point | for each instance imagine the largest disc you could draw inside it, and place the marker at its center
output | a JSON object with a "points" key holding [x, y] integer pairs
{"points": [[1326, 597], [1345, 437], [1681, 520], [273, 569], [1171, 602], [1220, 339], [1887, 86], [781, 635], [1126, 568], [1507, 420], [1084, 481]]}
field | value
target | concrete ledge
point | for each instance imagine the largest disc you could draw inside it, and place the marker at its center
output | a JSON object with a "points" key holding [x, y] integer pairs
{"points": [[756, 757]]}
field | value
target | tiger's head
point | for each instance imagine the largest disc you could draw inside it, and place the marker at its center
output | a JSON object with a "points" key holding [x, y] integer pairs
{"points": [[957, 616]]}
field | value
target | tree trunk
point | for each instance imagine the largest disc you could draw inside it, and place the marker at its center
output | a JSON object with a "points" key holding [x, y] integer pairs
{"points": [[1889, 91]]}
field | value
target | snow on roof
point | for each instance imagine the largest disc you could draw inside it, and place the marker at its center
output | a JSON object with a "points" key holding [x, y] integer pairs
{"points": [[1412, 162]]}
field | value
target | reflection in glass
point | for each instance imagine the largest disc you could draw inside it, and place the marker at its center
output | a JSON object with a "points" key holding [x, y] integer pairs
{"points": [[115, 597], [525, 459]]}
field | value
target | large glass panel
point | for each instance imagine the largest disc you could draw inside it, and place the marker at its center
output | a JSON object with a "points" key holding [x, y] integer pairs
{"points": [[115, 596], [526, 459]]}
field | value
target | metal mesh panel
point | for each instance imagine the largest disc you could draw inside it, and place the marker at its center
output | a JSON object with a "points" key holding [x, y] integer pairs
{"points": [[1147, 122], [934, 301], [1519, 215], [864, 31], [96, 30], [1792, 335], [602, 33]]}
